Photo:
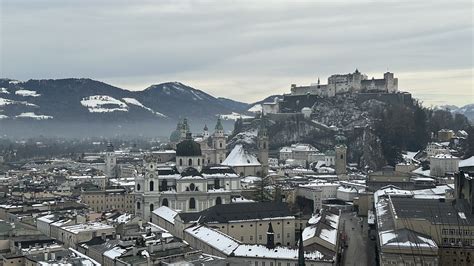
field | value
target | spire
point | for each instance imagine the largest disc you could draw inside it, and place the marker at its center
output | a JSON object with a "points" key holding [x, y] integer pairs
{"points": [[319, 82], [205, 127], [219, 124], [300, 248], [110, 147], [270, 237]]}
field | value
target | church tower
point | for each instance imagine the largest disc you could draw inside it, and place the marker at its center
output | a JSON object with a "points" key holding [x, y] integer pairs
{"points": [[184, 129], [262, 143], [341, 154], [205, 133], [219, 142], [110, 162]]}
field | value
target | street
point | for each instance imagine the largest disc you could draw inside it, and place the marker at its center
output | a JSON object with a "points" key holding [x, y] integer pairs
{"points": [[361, 250]]}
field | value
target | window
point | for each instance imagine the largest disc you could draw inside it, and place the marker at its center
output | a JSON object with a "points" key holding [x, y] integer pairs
{"points": [[164, 202], [152, 185], [180, 162], [152, 207], [192, 203], [218, 201], [251, 238], [192, 187], [220, 144], [199, 162], [138, 187], [190, 162], [138, 205], [259, 237]]}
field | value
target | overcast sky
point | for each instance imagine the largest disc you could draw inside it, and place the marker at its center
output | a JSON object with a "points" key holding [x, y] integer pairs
{"points": [[240, 49]]}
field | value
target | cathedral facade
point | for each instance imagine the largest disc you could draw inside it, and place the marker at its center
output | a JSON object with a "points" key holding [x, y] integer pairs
{"points": [[191, 186]]}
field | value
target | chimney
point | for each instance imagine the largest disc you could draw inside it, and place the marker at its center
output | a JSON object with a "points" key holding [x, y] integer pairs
{"points": [[270, 237]]}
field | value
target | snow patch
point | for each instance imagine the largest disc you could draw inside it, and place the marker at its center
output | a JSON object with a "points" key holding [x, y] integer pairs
{"points": [[135, 102], [34, 116], [27, 93], [234, 116], [256, 108], [103, 104], [4, 90]]}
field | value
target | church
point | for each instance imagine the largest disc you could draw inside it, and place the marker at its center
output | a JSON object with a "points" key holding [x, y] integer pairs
{"points": [[194, 184]]}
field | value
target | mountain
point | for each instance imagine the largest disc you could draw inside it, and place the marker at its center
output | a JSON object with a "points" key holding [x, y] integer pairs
{"points": [[467, 110], [68, 102]]}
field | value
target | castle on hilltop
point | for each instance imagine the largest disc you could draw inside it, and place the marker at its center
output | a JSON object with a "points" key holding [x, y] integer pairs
{"points": [[352, 82]]}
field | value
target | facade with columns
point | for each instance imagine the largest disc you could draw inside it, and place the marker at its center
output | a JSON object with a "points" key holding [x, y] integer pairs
{"points": [[189, 186]]}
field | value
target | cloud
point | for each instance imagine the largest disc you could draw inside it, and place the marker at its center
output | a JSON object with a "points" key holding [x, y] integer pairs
{"points": [[241, 50]]}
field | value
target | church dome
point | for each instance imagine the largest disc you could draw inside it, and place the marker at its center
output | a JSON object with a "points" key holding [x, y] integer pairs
{"points": [[188, 147], [175, 136]]}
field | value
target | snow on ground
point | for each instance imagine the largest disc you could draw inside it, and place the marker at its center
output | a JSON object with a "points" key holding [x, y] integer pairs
{"points": [[135, 102], [256, 108], [27, 93], [34, 116], [103, 104], [240, 157], [4, 102], [3, 117], [234, 116], [4, 90]]}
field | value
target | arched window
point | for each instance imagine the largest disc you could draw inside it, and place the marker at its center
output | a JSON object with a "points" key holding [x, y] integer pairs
{"points": [[218, 201], [180, 162], [152, 185], [165, 202], [152, 207], [199, 162], [192, 203], [190, 162], [342, 156], [192, 187], [220, 144], [138, 205], [138, 187], [217, 184]]}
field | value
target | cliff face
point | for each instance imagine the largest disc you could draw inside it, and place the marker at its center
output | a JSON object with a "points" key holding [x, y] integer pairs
{"points": [[329, 116]]}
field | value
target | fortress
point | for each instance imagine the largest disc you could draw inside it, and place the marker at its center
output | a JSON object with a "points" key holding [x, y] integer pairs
{"points": [[352, 82]]}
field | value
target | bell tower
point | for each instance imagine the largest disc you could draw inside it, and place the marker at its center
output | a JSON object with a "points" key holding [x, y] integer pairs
{"points": [[219, 142], [262, 143], [110, 162]]}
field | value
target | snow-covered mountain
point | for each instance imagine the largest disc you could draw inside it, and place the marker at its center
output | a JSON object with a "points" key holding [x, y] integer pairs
{"points": [[90, 100], [467, 110]]}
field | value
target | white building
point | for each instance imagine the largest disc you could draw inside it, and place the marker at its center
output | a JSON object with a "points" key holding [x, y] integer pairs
{"points": [[301, 153], [442, 164], [189, 186]]}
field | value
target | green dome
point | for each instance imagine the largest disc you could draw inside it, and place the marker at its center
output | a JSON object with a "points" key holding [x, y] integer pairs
{"points": [[175, 136], [188, 147]]}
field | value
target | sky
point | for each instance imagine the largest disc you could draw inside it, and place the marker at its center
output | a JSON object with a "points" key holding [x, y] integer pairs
{"points": [[243, 50]]}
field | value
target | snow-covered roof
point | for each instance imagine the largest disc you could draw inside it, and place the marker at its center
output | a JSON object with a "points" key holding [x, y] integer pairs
{"points": [[260, 251], [240, 157], [91, 226], [445, 156], [214, 238], [166, 213], [467, 162]]}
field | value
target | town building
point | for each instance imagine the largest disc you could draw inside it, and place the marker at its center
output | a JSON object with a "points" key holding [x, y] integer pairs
{"points": [[443, 164]]}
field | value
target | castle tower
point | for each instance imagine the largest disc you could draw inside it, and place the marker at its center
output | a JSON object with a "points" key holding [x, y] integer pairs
{"points": [[219, 142], [110, 162], [341, 154], [262, 143], [391, 83]]}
